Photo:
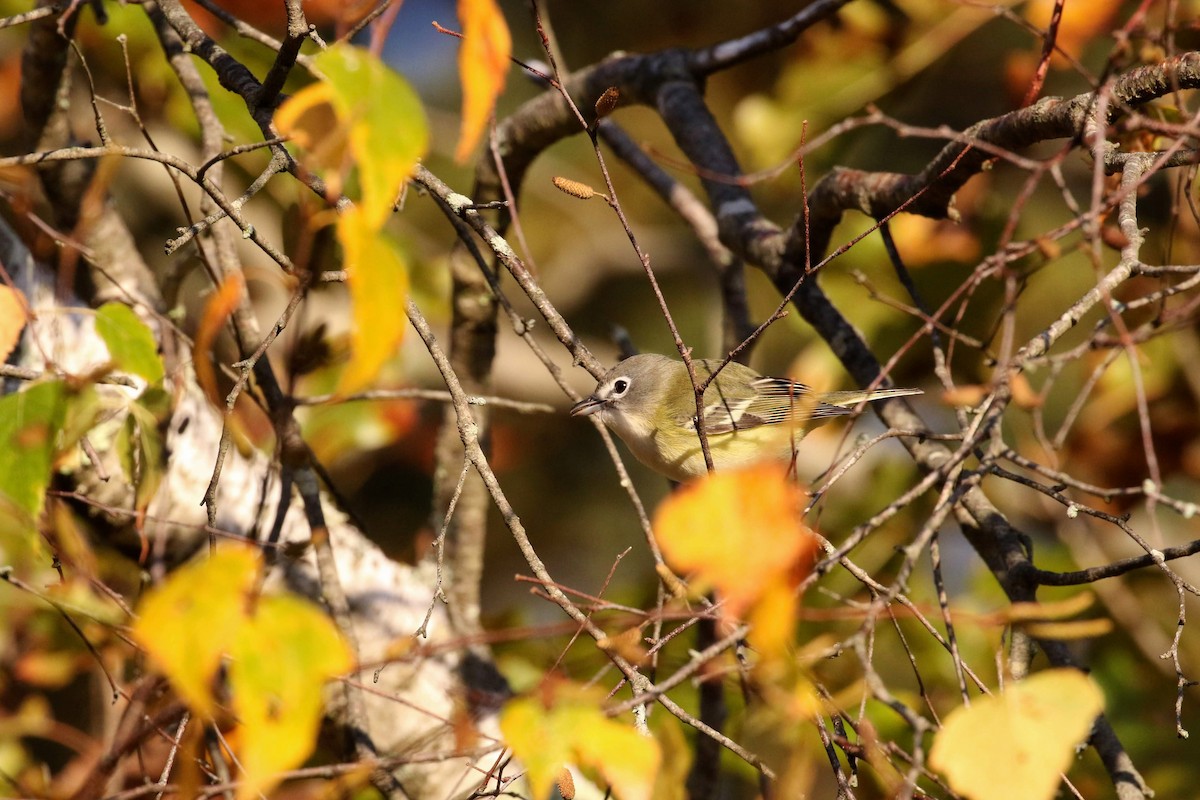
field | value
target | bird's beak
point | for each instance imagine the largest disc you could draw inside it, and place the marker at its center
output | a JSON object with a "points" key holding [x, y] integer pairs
{"points": [[587, 406]]}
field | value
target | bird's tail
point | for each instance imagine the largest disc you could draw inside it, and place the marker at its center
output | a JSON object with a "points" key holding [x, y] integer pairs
{"points": [[853, 397]]}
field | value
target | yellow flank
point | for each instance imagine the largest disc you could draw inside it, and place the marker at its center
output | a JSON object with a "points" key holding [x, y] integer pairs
{"points": [[678, 455]]}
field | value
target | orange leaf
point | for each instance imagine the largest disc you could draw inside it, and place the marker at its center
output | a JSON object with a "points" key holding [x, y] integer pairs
{"points": [[738, 532], [216, 311], [1081, 23], [773, 618], [926, 241], [483, 62], [12, 319], [966, 396], [1023, 394]]}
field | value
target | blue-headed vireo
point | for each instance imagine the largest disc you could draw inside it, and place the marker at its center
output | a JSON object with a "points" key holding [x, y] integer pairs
{"points": [[648, 401]]}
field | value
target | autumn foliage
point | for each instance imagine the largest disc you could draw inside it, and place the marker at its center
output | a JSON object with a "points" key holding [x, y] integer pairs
{"points": [[294, 298]]}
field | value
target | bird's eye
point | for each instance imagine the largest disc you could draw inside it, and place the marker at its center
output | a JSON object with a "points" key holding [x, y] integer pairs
{"points": [[620, 386]]}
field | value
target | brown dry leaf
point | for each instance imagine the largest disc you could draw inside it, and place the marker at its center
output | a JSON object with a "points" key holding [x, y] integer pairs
{"points": [[627, 644], [1114, 237], [1049, 248]]}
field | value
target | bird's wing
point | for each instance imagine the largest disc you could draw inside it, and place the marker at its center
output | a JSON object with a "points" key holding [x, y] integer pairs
{"points": [[728, 414], [773, 401], [778, 400]]}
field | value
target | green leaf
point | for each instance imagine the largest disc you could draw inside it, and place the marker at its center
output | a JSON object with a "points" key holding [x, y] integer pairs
{"points": [[388, 130], [30, 424], [130, 343], [376, 111], [141, 449]]}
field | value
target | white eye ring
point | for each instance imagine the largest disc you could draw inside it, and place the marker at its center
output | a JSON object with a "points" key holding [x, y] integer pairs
{"points": [[620, 386]]}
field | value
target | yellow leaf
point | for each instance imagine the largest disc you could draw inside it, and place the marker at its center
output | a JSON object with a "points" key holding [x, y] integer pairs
{"points": [[1017, 744], [1118, 390], [626, 760], [188, 622], [378, 287], [1057, 609], [380, 117], [1077, 629], [282, 657], [566, 724], [737, 532], [12, 319], [803, 701], [281, 651], [539, 739], [483, 62], [675, 757]]}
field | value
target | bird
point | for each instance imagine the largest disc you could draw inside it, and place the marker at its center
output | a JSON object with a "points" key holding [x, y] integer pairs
{"points": [[648, 401]]}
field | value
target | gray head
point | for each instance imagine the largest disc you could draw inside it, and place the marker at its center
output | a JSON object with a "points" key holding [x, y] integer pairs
{"points": [[635, 383]]}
